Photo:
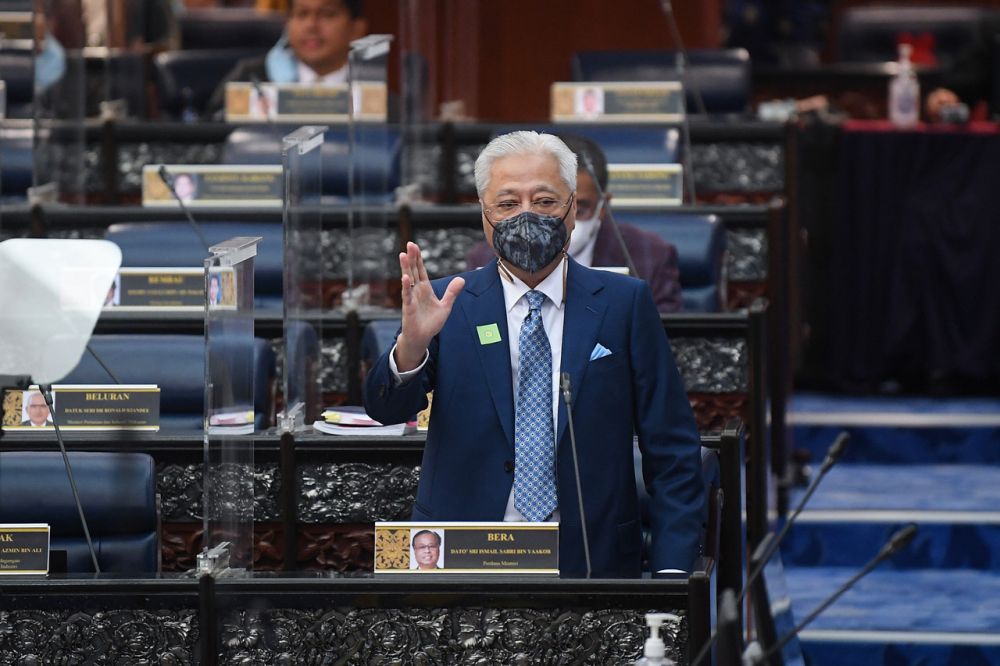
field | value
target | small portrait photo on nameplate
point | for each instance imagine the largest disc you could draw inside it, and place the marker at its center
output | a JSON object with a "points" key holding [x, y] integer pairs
{"points": [[618, 102], [78, 407], [467, 548], [174, 289], [212, 185], [222, 288], [24, 549], [639, 185]]}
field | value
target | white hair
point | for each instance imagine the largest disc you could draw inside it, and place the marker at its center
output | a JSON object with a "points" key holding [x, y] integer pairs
{"points": [[525, 143]]}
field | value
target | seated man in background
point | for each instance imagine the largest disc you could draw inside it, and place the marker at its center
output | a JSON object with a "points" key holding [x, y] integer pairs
{"points": [[318, 36], [594, 242], [491, 344]]}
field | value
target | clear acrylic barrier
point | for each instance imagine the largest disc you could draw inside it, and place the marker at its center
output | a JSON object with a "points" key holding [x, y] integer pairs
{"points": [[228, 481], [373, 151], [302, 164]]}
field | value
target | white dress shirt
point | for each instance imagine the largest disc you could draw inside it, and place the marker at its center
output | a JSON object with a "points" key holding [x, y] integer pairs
{"points": [[308, 76]]}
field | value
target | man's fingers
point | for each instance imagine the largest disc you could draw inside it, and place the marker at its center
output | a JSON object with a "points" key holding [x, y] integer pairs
{"points": [[421, 272], [451, 293], [413, 257]]}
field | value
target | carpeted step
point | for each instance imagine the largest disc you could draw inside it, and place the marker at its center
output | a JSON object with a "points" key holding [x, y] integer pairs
{"points": [[857, 507], [899, 617], [898, 430]]}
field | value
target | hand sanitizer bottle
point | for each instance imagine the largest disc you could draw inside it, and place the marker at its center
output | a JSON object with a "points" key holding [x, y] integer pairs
{"points": [[904, 92], [654, 653]]}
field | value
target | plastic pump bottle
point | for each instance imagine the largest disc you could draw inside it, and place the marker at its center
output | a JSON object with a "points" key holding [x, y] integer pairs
{"points": [[654, 653], [904, 92]]}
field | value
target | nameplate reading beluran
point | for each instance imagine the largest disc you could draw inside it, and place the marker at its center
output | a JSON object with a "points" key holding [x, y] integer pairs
{"points": [[97, 407], [24, 549], [479, 548]]}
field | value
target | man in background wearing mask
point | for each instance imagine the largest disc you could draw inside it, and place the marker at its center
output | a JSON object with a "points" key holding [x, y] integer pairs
{"points": [[594, 242], [491, 344], [314, 50]]}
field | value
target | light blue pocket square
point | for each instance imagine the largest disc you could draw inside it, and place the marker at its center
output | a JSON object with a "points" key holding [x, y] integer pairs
{"points": [[600, 351]]}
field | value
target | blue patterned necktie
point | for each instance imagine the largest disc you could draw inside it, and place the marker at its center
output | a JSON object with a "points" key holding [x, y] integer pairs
{"points": [[534, 439]]}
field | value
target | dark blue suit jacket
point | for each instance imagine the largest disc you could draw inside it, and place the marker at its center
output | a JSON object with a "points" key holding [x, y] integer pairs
{"points": [[467, 465]]}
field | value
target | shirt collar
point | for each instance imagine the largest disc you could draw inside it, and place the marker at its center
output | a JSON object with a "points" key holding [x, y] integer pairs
{"points": [[553, 286], [308, 76]]}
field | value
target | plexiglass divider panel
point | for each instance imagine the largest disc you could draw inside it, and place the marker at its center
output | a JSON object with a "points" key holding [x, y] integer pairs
{"points": [[304, 269], [229, 419], [373, 154]]}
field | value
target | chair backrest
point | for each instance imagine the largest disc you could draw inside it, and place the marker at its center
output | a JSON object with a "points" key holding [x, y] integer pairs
{"points": [[722, 76], [621, 144], [188, 78], [17, 69], [118, 495], [376, 163], [175, 363], [700, 240], [175, 244], [229, 28], [869, 34]]}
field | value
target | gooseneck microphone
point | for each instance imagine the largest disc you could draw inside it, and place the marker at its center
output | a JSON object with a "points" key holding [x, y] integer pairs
{"points": [[46, 391], [564, 384], [767, 547], [103, 365], [588, 165], [168, 180], [682, 58], [832, 456], [897, 542]]}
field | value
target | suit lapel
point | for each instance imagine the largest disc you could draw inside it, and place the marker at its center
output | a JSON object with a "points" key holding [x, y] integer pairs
{"points": [[585, 307], [484, 308]]}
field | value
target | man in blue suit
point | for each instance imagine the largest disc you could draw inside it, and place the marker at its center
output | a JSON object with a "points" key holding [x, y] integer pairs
{"points": [[491, 344]]}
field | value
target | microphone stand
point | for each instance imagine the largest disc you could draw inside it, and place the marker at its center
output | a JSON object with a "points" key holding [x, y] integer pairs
{"points": [[611, 218], [681, 63], [103, 365], [565, 386], [168, 180], [897, 542], [767, 547], [46, 391]]}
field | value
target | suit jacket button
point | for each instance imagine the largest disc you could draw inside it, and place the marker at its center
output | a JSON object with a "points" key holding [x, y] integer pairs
{"points": [[508, 466]]}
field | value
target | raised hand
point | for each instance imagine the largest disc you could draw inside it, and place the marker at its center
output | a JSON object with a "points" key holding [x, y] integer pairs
{"points": [[424, 314]]}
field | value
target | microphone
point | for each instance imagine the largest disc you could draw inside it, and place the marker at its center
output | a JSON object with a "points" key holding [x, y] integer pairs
{"points": [[668, 9], [261, 95], [588, 165], [767, 547], [46, 391], [168, 180], [566, 392], [897, 542]]}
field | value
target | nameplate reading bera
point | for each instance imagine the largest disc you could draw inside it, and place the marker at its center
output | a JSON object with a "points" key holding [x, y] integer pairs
{"points": [[479, 548], [24, 549], [76, 407]]}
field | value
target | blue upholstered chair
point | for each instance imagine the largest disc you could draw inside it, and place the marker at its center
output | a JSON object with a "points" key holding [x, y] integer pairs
{"points": [[17, 70], [190, 77], [701, 246], [175, 244], [869, 34], [229, 28], [722, 75], [118, 495], [377, 160], [622, 144], [176, 363]]}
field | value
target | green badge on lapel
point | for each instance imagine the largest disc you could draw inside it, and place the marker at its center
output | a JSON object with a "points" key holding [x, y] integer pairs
{"points": [[488, 334]]}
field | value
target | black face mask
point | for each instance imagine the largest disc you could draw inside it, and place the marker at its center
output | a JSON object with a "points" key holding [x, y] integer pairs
{"points": [[528, 240]]}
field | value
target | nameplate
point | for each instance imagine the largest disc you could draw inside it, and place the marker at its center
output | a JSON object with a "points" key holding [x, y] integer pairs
{"points": [[77, 407], [626, 102], [646, 184], [157, 288], [464, 548], [18, 29], [214, 185], [24, 549], [293, 102]]}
